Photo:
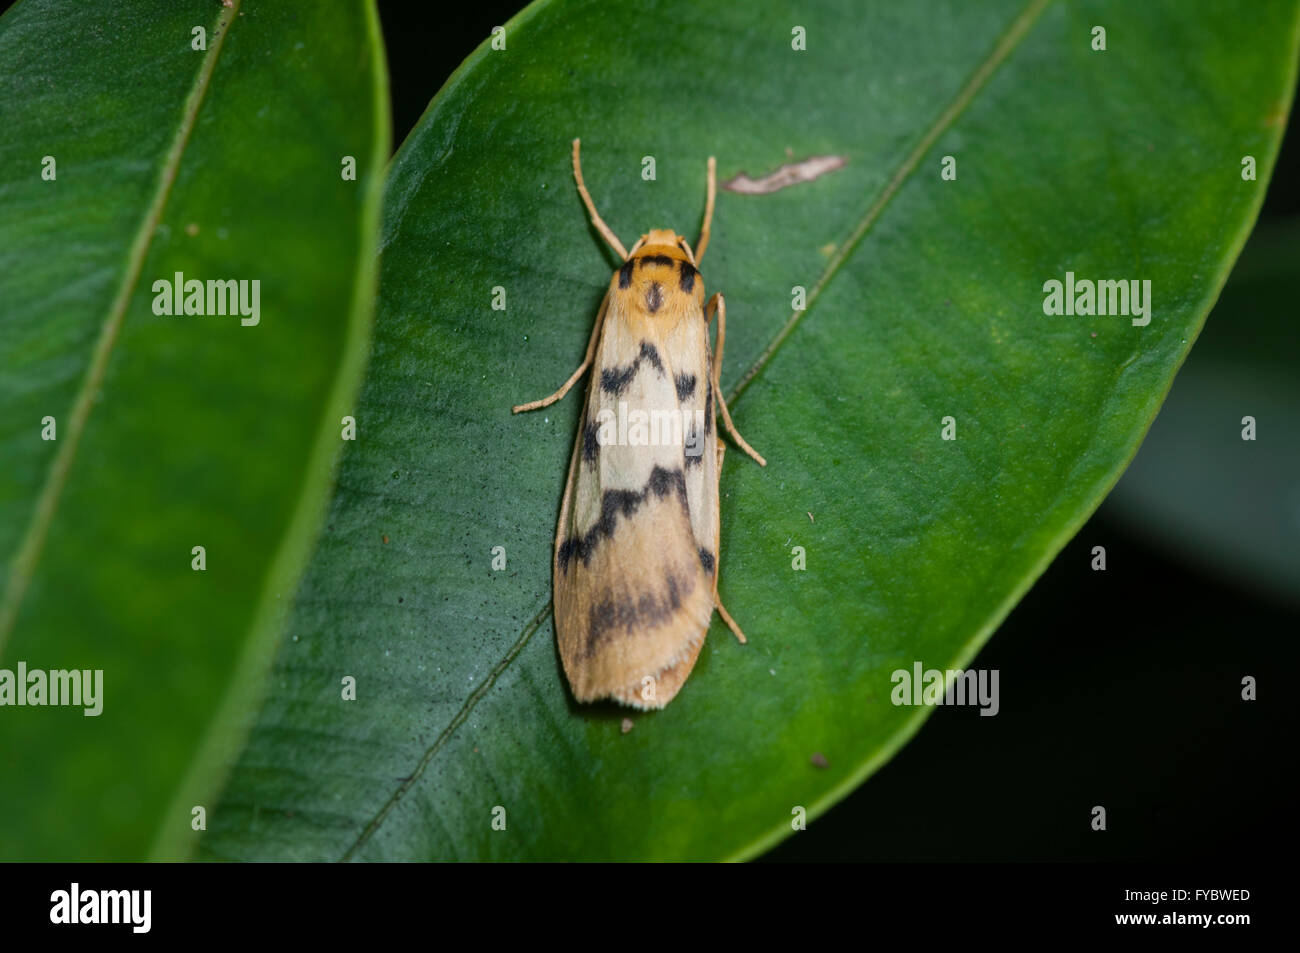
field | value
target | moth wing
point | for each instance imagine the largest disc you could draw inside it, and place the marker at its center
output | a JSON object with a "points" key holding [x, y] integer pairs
{"points": [[633, 597], [687, 350]]}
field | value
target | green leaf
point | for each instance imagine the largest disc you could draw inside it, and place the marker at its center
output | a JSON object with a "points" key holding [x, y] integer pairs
{"points": [[1197, 487], [925, 301], [221, 162]]}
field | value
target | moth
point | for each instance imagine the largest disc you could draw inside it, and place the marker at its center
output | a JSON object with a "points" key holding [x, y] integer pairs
{"points": [[635, 567]]}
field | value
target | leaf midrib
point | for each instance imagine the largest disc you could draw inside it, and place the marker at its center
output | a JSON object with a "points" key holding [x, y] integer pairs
{"points": [[1009, 40], [33, 541]]}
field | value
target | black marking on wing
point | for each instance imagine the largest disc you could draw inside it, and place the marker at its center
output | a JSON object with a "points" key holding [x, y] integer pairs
{"points": [[614, 380], [625, 273], [590, 445], [685, 386], [649, 353], [688, 276], [664, 483], [708, 411], [656, 260], [654, 297], [707, 561], [634, 613], [614, 503]]}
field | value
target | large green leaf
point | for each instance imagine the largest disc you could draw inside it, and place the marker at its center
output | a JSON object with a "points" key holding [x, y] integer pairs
{"points": [[925, 301], [172, 432]]}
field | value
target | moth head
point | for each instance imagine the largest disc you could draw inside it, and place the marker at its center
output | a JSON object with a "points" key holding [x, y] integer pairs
{"points": [[663, 238], [659, 267]]}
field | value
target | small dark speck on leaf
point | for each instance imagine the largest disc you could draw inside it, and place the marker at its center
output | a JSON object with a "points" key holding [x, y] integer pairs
{"points": [[627, 725], [819, 760], [385, 537]]}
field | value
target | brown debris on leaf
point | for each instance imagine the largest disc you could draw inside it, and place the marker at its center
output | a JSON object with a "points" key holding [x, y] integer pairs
{"points": [[792, 173]]}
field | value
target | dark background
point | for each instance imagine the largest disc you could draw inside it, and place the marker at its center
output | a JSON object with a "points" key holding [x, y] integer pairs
{"points": [[1119, 688]]}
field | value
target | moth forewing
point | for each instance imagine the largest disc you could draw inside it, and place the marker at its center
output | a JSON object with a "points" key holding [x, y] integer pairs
{"points": [[636, 549]]}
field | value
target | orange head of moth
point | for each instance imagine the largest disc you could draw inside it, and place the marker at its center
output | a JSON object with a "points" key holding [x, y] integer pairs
{"points": [[659, 276]]}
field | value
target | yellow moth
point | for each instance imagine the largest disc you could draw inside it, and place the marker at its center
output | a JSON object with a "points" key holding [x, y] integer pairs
{"points": [[636, 551]]}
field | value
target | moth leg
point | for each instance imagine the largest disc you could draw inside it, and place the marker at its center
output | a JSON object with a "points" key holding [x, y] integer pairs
{"points": [[726, 616], [573, 379], [717, 564], [719, 304], [711, 193]]}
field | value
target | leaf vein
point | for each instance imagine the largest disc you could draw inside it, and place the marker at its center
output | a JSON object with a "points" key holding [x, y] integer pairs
{"points": [[29, 551], [1008, 42], [459, 719]]}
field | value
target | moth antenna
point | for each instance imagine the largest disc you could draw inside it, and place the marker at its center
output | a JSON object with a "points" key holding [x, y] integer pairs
{"points": [[703, 243], [591, 206]]}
